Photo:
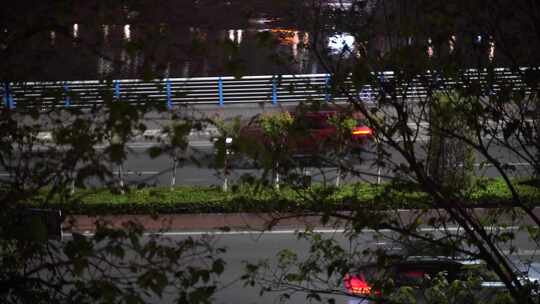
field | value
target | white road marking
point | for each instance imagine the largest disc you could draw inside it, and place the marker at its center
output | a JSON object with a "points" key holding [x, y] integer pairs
{"points": [[212, 131], [152, 133], [138, 172], [522, 252], [208, 144], [114, 172], [139, 145], [201, 143], [290, 231], [146, 145], [523, 164], [218, 232], [44, 135]]}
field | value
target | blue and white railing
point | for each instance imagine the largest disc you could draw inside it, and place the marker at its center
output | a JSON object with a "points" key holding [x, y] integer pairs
{"points": [[230, 90], [171, 91]]}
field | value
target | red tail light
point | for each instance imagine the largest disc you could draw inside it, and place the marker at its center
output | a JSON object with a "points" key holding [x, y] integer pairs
{"points": [[357, 285], [362, 131]]}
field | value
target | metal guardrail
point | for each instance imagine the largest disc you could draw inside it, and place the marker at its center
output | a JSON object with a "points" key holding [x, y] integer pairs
{"points": [[172, 91], [231, 90]]}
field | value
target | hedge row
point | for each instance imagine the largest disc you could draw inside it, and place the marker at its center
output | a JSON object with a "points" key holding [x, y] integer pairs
{"points": [[253, 199]]}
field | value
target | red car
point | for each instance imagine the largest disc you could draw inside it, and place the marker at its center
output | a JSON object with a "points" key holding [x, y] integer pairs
{"points": [[313, 132]]}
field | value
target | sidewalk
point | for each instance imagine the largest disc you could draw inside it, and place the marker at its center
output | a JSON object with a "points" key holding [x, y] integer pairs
{"points": [[202, 222], [194, 222]]}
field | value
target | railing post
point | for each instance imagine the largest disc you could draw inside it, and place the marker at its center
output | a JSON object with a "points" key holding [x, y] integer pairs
{"points": [[169, 93], [11, 101], [274, 91], [117, 89], [220, 91], [8, 97], [365, 94], [327, 88], [382, 84], [6, 94], [68, 99]]}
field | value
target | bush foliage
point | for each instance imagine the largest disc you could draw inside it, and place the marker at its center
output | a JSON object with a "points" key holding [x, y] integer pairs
{"points": [[247, 198]]}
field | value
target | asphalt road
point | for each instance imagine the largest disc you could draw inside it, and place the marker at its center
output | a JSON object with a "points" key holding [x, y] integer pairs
{"points": [[140, 168], [253, 246], [199, 167]]}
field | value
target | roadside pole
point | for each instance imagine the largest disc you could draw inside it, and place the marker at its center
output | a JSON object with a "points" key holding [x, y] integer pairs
{"points": [[379, 154], [228, 143]]}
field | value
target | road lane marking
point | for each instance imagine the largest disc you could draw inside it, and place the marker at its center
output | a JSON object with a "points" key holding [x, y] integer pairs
{"points": [[521, 164], [114, 172], [209, 132], [291, 231], [47, 135], [144, 145], [517, 164], [153, 133], [217, 232], [201, 143], [44, 135], [138, 172]]}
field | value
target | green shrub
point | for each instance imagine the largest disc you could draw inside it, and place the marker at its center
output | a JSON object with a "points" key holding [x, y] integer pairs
{"points": [[251, 198]]}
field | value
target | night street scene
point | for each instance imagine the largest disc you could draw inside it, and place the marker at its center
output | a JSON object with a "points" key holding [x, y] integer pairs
{"points": [[270, 151]]}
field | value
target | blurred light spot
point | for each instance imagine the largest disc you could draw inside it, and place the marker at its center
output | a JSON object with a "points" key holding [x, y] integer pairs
{"points": [[239, 35], [452, 43], [491, 53], [127, 32], [235, 36], [339, 42], [53, 37], [105, 31], [75, 30], [479, 39]]}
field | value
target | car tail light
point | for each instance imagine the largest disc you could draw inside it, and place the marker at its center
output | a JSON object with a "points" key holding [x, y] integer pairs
{"points": [[357, 285], [362, 131]]}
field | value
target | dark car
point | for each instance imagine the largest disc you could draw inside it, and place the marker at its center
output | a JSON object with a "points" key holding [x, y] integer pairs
{"points": [[374, 283], [378, 284]]}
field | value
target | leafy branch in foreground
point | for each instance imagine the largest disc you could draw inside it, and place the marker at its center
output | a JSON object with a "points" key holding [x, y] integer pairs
{"points": [[447, 90], [114, 265], [111, 266]]}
